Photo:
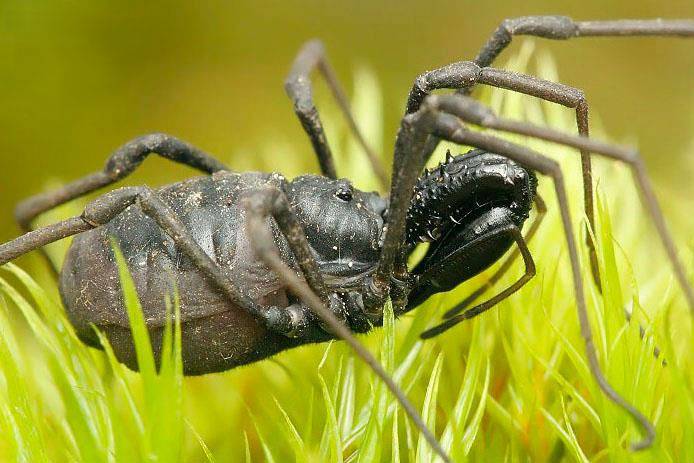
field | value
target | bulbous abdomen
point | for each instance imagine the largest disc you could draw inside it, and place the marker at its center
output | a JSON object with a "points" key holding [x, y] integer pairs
{"points": [[216, 334]]}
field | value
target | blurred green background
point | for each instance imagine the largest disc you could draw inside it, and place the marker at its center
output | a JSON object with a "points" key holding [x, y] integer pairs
{"points": [[77, 79]]}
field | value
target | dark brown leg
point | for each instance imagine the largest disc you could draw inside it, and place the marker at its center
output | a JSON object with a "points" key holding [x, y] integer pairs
{"points": [[298, 86], [118, 166], [472, 111], [452, 317], [571, 98], [564, 28], [441, 117], [550, 27], [464, 74], [272, 202], [408, 160], [35, 239]]}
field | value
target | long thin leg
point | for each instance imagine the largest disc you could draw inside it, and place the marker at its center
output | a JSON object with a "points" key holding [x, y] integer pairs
{"points": [[563, 28], [35, 239], [486, 142], [408, 160], [119, 165], [566, 96], [473, 312], [258, 209], [642, 335], [472, 111], [447, 125], [541, 210], [465, 74], [298, 86], [413, 147], [101, 210]]}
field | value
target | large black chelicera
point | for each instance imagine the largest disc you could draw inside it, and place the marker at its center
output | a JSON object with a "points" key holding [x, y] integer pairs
{"points": [[262, 264]]}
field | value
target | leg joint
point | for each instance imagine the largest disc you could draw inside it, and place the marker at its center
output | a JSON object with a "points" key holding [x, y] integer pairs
{"points": [[550, 27], [101, 210], [553, 169], [298, 88], [126, 158], [129, 156]]}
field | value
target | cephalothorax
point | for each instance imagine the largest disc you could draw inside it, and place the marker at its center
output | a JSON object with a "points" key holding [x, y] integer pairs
{"points": [[262, 264]]}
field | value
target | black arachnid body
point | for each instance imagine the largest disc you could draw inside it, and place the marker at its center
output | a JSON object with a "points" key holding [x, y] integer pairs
{"points": [[473, 195], [263, 264]]}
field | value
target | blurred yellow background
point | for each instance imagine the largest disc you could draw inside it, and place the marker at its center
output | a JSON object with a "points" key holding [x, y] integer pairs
{"points": [[79, 79]]}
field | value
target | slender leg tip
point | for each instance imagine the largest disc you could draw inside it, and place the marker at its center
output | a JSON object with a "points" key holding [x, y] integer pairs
{"points": [[644, 444], [426, 335]]}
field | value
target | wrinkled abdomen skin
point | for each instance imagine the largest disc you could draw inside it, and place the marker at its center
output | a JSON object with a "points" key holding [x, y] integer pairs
{"points": [[216, 334]]}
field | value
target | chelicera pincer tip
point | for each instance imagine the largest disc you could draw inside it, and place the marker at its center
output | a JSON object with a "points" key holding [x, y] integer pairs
{"points": [[263, 264]]}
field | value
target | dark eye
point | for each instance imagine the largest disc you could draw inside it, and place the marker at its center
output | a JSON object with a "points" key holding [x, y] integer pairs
{"points": [[344, 193]]}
